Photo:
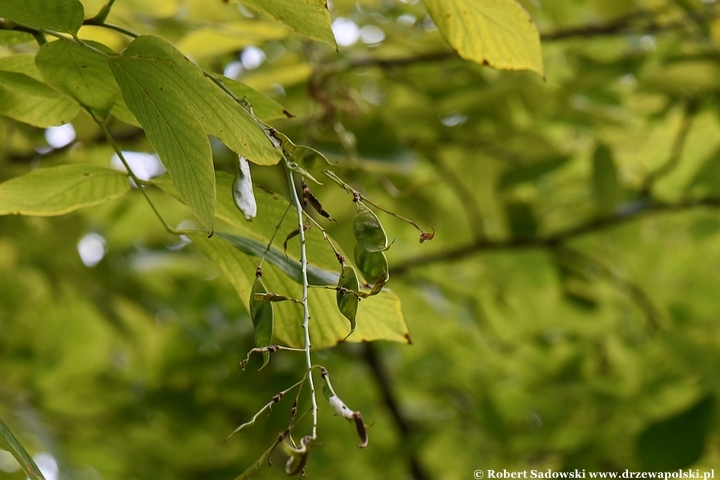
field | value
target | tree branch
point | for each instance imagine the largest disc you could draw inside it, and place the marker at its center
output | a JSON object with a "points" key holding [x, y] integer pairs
{"points": [[599, 224], [624, 25], [374, 362]]}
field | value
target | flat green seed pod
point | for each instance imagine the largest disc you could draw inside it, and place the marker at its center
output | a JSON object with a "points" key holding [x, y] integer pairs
{"points": [[263, 318], [346, 301], [371, 264], [368, 230]]}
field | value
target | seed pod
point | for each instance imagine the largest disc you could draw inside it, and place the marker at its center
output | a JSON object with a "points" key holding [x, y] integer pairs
{"points": [[243, 190], [347, 302], [368, 230], [263, 318], [371, 264]]}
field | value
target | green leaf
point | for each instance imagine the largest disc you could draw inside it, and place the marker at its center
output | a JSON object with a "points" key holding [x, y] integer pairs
{"points": [[61, 189], [263, 318], [497, 33], [28, 100], [242, 190], [371, 264], [153, 58], [309, 17], [347, 302], [10, 443], [174, 130], [379, 318], [605, 183], [264, 107], [80, 73], [678, 441], [531, 172], [236, 255], [59, 15], [521, 217], [259, 462], [368, 231]]}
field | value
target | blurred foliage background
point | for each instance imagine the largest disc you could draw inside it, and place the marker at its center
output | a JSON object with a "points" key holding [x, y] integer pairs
{"points": [[565, 316]]}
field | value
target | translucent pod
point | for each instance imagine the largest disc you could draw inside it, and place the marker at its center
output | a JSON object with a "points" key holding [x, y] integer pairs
{"points": [[368, 230], [371, 264], [263, 318], [348, 302]]}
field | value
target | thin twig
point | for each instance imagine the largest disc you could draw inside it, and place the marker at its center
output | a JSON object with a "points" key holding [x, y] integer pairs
{"points": [[276, 398], [306, 310], [595, 225], [272, 238], [423, 234], [140, 183]]}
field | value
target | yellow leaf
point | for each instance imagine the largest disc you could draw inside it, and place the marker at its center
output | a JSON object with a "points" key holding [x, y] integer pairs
{"points": [[497, 33]]}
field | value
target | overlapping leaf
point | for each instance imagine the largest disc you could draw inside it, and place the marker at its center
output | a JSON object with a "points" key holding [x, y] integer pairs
{"points": [[24, 97], [174, 130], [237, 255], [310, 17], [149, 56], [61, 189], [80, 73], [59, 15], [498, 33], [264, 107]]}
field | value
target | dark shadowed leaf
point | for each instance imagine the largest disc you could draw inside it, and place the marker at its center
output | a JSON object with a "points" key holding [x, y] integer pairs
{"points": [[678, 441]]}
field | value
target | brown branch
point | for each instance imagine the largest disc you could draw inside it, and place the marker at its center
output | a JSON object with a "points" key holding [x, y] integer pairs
{"points": [[691, 108], [624, 25], [373, 361], [595, 225]]}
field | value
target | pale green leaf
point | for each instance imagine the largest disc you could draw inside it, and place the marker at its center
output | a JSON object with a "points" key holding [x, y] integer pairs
{"points": [[10, 443], [378, 318], [59, 15], [497, 33], [61, 189], [27, 100], [264, 107], [220, 116], [79, 72], [174, 130], [309, 17], [259, 462], [270, 209], [21, 63]]}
